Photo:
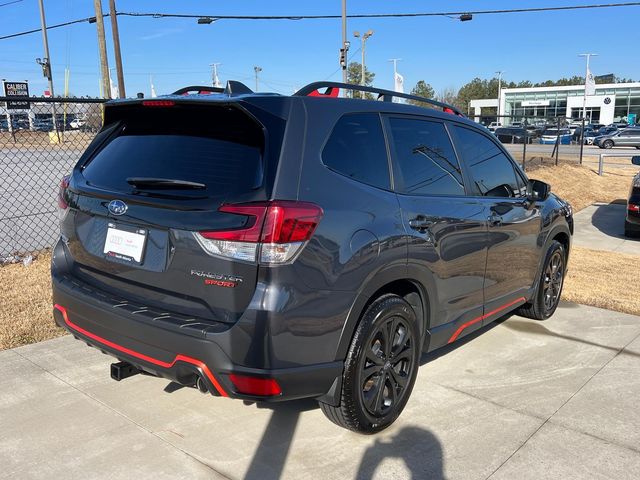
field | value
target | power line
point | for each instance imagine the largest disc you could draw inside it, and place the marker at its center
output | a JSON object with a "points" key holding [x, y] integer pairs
{"points": [[330, 17], [9, 3]]}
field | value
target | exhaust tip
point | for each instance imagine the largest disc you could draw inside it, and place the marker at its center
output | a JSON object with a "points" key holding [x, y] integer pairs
{"points": [[201, 385]]}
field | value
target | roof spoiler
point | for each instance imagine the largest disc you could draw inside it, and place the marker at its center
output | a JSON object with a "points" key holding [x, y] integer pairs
{"points": [[233, 88]]}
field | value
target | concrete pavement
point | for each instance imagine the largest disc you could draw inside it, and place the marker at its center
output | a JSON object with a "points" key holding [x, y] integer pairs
{"points": [[520, 399], [601, 227]]}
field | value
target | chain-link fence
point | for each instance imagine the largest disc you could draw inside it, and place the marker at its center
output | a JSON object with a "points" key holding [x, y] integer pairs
{"points": [[38, 146]]}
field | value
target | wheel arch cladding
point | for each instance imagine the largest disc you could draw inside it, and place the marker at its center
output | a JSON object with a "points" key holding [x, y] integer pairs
{"points": [[414, 291]]}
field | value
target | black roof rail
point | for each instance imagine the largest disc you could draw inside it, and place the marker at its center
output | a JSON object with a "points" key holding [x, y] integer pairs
{"points": [[385, 95], [198, 89]]}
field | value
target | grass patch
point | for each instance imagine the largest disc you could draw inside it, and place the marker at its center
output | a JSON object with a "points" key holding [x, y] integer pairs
{"points": [[616, 272], [582, 186], [25, 316]]}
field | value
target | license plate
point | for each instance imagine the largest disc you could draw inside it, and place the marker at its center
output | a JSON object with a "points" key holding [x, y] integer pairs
{"points": [[124, 245]]}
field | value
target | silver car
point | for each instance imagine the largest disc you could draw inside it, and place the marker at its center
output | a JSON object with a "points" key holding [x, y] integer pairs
{"points": [[629, 137]]}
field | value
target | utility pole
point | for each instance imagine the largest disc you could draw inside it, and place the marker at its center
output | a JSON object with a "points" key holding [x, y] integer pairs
{"points": [[344, 57], [102, 48], [257, 70], [499, 72], [215, 81], [364, 39], [116, 47], [46, 65], [586, 80]]}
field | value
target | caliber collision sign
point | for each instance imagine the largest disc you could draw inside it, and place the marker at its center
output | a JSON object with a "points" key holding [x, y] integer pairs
{"points": [[16, 89]]}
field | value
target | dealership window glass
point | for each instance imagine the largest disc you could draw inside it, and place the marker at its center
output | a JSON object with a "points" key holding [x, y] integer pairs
{"points": [[356, 149], [491, 170], [426, 162]]}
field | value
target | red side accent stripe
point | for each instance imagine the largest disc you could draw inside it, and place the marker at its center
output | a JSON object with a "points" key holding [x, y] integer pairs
{"points": [[142, 356], [486, 315]]}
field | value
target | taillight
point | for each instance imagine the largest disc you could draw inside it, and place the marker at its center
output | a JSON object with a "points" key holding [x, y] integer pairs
{"points": [[275, 232], [633, 208], [64, 184]]}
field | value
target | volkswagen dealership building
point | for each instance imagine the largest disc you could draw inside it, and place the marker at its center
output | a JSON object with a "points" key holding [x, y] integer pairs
{"points": [[613, 102]]}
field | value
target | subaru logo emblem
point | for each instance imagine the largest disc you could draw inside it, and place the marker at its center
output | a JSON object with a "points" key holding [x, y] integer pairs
{"points": [[117, 207]]}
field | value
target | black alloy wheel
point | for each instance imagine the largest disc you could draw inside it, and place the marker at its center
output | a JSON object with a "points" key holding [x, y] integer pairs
{"points": [[552, 283], [386, 366]]}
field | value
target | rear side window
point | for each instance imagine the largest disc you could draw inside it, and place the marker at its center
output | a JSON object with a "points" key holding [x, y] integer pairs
{"points": [[356, 149], [424, 156], [221, 148], [491, 170]]}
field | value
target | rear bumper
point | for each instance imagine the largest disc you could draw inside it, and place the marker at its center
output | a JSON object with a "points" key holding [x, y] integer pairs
{"points": [[178, 352]]}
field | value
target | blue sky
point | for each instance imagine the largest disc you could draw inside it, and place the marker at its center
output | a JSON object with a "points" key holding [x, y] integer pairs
{"points": [[444, 52]]}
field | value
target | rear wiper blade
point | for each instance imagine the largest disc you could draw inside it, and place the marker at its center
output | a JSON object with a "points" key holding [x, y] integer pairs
{"points": [[168, 183]]}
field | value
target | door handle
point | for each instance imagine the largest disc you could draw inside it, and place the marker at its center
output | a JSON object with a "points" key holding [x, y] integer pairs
{"points": [[421, 223], [494, 219]]}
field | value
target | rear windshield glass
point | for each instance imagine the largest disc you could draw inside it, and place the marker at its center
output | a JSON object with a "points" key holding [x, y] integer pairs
{"points": [[221, 148]]}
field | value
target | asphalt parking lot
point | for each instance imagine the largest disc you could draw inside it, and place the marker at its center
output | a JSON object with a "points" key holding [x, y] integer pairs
{"points": [[521, 399]]}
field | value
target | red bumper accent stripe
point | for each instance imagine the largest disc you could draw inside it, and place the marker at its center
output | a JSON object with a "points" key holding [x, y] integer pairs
{"points": [[486, 315], [142, 356]]}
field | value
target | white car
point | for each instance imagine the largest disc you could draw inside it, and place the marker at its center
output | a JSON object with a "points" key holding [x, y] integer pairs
{"points": [[493, 125], [77, 123]]}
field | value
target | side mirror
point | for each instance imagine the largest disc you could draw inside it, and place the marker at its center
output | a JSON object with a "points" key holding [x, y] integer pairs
{"points": [[538, 190], [635, 160]]}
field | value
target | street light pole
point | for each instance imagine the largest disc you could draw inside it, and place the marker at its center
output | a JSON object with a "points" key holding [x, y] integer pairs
{"points": [[257, 70], [116, 47], [364, 38], [46, 65], [345, 43], [499, 72], [584, 97]]}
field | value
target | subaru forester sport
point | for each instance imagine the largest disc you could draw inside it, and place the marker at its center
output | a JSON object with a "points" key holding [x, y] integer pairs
{"points": [[267, 248]]}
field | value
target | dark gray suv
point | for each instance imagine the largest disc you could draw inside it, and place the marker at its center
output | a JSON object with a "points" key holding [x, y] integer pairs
{"points": [[268, 247]]}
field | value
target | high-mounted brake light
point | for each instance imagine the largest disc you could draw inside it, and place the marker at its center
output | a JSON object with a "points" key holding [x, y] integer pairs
{"points": [[274, 233], [158, 103]]}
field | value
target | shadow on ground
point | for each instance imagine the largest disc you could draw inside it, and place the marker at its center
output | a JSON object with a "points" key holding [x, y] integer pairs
{"points": [[609, 219]]}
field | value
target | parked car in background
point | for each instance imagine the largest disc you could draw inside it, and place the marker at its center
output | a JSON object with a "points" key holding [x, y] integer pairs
{"points": [[513, 135], [77, 123], [589, 137], [628, 137], [42, 125], [4, 125], [267, 247], [632, 219], [550, 136], [597, 126], [607, 130], [493, 125], [517, 125]]}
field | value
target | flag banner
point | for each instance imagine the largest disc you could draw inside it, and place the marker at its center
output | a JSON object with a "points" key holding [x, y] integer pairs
{"points": [[398, 82], [590, 84]]}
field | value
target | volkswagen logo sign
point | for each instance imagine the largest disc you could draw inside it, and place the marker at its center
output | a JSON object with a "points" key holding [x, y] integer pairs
{"points": [[117, 207], [607, 101]]}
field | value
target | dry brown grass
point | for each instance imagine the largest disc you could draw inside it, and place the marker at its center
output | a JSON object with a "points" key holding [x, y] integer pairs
{"points": [[616, 272], [25, 299], [582, 186]]}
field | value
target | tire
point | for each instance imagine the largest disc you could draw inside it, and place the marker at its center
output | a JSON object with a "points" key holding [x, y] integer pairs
{"points": [[629, 232], [545, 301], [607, 144], [366, 406]]}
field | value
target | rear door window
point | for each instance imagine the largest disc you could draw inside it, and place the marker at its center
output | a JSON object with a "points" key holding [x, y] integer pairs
{"points": [[221, 148], [424, 160], [356, 149], [491, 170]]}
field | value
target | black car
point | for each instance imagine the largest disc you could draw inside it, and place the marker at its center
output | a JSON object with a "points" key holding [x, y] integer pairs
{"points": [[632, 219], [514, 135], [267, 248]]}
